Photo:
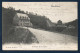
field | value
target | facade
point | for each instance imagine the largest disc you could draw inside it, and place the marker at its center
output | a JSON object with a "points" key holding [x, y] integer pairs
{"points": [[21, 19]]}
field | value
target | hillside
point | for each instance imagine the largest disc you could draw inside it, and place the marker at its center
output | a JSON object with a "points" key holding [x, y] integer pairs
{"points": [[74, 23], [71, 31], [7, 19], [38, 21]]}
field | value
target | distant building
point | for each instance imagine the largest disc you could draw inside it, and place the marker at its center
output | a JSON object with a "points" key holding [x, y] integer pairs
{"points": [[21, 19], [71, 26], [60, 24]]}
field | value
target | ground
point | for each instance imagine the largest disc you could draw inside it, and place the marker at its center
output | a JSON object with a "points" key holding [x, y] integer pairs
{"points": [[46, 40], [52, 37]]}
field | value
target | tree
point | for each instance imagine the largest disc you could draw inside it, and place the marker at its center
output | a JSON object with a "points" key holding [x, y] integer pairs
{"points": [[59, 22]]}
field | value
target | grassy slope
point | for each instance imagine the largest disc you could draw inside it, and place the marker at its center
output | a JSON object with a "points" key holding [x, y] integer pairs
{"points": [[19, 35], [74, 31]]}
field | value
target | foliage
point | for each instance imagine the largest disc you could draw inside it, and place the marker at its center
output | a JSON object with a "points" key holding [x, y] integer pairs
{"points": [[38, 21]]}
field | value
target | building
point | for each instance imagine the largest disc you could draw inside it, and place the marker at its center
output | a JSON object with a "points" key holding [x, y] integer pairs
{"points": [[21, 19], [60, 24]]}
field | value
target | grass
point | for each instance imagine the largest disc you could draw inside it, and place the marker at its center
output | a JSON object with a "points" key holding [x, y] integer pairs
{"points": [[19, 35]]}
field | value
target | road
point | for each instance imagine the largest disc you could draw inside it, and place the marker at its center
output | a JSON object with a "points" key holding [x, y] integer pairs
{"points": [[47, 41], [52, 37]]}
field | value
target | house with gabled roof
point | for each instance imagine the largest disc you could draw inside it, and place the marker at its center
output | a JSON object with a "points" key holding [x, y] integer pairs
{"points": [[21, 19]]}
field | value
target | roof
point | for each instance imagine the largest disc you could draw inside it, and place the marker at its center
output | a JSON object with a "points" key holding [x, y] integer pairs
{"points": [[22, 15]]}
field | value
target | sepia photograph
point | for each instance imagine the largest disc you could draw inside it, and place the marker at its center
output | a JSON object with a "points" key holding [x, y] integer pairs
{"points": [[40, 26]]}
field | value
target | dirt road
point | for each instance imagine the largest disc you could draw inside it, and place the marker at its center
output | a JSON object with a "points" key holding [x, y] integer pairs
{"points": [[52, 37], [47, 41]]}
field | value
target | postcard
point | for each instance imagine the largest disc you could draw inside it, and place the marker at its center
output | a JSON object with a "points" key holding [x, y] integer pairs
{"points": [[40, 26]]}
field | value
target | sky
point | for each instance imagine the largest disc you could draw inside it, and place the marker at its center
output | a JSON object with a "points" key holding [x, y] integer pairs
{"points": [[64, 11]]}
